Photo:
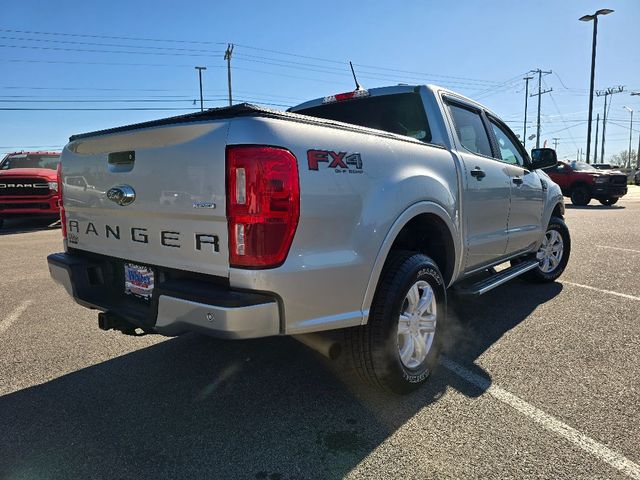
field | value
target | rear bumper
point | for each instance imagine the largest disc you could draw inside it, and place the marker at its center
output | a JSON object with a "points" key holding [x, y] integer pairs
{"points": [[178, 305], [24, 207]]}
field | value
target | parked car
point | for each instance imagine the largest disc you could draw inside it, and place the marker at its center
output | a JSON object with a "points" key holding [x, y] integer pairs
{"points": [[636, 177], [581, 182], [354, 212], [28, 185]]}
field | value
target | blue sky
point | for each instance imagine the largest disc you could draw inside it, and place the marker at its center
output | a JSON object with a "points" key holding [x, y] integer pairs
{"points": [[135, 54]]}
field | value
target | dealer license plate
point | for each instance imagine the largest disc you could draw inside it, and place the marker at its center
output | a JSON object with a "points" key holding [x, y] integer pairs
{"points": [[138, 281]]}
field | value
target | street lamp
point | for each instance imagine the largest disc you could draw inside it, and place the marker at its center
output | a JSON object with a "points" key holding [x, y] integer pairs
{"points": [[200, 69], [588, 18], [630, 110]]}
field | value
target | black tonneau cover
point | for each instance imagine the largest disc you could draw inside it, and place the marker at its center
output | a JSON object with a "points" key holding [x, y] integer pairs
{"points": [[238, 110], [246, 110]]}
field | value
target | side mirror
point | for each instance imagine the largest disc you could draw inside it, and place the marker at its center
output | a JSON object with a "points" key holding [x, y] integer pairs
{"points": [[543, 158]]}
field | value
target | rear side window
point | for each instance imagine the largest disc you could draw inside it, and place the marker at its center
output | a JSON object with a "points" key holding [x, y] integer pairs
{"points": [[402, 113], [470, 129]]}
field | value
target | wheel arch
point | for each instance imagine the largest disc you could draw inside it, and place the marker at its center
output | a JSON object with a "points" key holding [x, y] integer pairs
{"points": [[558, 210], [579, 184], [424, 227]]}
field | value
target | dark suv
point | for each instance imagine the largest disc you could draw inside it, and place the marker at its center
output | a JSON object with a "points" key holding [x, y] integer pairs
{"points": [[582, 182]]}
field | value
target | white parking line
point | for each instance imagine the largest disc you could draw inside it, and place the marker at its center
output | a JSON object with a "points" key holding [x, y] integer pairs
{"points": [[13, 316], [610, 292], [549, 422], [619, 248]]}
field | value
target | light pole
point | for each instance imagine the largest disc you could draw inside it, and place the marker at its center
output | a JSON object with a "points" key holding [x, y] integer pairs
{"points": [[588, 18], [200, 77], [630, 110]]}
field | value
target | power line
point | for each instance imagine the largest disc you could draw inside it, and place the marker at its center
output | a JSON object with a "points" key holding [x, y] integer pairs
{"points": [[97, 44], [553, 100], [112, 37], [117, 64], [377, 67], [61, 49], [452, 78]]}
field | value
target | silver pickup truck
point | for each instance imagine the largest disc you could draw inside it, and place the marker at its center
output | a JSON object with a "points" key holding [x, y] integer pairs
{"points": [[358, 211]]}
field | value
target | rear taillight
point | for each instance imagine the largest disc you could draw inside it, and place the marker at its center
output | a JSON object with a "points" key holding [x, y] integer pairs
{"points": [[63, 216], [263, 205]]}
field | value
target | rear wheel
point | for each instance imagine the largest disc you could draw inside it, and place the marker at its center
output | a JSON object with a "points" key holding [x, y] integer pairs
{"points": [[580, 196], [400, 345], [553, 253], [608, 201], [1, 222]]}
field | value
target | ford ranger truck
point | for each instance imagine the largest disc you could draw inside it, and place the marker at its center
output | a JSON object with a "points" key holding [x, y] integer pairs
{"points": [[28, 185], [349, 216], [582, 182]]}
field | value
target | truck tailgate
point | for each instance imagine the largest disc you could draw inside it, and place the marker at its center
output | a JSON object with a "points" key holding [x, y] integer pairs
{"points": [[177, 173]]}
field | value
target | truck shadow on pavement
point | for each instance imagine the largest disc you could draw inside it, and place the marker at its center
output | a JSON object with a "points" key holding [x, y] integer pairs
{"points": [[594, 207], [13, 226], [194, 407]]}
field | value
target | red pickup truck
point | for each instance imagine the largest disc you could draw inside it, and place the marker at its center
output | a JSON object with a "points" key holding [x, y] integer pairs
{"points": [[582, 182], [28, 185]]}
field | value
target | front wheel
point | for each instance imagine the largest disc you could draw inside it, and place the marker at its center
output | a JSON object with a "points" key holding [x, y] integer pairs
{"points": [[608, 201], [580, 196], [399, 347], [553, 253]]}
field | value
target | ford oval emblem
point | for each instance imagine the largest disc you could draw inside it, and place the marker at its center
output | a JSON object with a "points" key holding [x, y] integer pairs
{"points": [[122, 195]]}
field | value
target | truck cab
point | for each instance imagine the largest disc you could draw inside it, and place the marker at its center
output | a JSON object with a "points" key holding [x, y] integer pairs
{"points": [[582, 182], [28, 185]]}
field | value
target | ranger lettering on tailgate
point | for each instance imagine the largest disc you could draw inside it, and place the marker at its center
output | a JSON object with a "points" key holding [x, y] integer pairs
{"points": [[167, 238]]}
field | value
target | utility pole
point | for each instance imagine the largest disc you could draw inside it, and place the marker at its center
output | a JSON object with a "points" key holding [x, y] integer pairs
{"points": [[526, 99], [227, 57], [200, 77], [555, 143], [630, 110], [539, 95], [595, 150], [605, 93], [637, 151]]}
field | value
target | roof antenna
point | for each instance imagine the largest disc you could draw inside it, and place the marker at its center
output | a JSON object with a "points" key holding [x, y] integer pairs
{"points": [[358, 86]]}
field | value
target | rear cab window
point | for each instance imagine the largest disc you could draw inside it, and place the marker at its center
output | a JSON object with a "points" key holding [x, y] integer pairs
{"points": [[400, 113]]}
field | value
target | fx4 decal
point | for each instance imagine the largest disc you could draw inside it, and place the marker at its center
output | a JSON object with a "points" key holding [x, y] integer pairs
{"points": [[341, 162]]}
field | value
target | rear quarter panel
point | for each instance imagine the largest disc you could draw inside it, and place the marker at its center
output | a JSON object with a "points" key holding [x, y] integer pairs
{"points": [[345, 215]]}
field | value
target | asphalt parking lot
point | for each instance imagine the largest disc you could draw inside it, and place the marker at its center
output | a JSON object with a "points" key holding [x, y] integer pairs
{"points": [[540, 381]]}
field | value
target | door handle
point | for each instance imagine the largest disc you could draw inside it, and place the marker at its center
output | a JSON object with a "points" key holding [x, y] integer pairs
{"points": [[478, 173], [517, 180]]}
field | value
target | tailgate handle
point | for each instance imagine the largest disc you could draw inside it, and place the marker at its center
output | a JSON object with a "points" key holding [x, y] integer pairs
{"points": [[122, 161]]}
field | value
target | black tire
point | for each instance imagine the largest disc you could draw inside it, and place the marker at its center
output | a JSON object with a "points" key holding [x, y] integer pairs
{"points": [[374, 348], [608, 201], [1, 222], [580, 196], [540, 276]]}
